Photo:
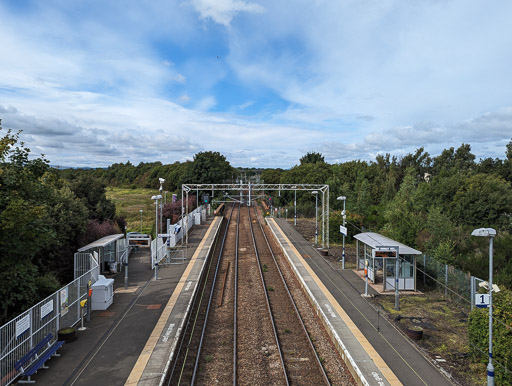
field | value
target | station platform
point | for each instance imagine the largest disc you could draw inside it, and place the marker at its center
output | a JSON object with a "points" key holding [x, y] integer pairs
{"points": [[374, 350], [121, 344], [132, 342]]}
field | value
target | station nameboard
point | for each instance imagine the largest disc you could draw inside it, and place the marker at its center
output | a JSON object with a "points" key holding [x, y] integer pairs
{"points": [[387, 253], [139, 241]]}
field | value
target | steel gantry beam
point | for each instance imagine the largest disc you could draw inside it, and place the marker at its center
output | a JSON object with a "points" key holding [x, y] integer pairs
{"points": [[250, 188]]}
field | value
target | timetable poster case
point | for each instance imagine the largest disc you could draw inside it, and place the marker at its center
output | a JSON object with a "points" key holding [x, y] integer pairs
{"points": [[64, 301]]}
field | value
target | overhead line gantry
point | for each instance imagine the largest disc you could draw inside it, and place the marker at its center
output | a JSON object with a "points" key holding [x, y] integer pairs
{"points": [[255, 191]]}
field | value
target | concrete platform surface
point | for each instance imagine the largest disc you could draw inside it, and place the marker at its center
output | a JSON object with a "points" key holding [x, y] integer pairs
{"points": [[106, 353], [338, 294]]}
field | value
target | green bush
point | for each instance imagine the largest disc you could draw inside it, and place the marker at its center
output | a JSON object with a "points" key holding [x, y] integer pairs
{"points": [[478, 332]]}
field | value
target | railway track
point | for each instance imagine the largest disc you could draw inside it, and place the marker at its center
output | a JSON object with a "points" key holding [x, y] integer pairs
{"points": [[300, 360], [244, 327]]}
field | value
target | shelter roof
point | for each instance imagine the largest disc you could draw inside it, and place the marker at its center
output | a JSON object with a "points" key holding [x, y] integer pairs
{"points": [[376, 240], [104, 241]]}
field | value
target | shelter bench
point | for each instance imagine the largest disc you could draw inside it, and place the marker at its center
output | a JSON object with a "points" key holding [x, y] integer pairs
{"points": [[50, 349]]}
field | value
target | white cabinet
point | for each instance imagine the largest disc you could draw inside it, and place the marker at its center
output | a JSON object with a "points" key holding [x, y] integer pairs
{"points": [[102, 293]]}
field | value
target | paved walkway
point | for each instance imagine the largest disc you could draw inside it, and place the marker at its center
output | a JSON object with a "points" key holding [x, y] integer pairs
{"points": [[402, 357], [107, 351]]}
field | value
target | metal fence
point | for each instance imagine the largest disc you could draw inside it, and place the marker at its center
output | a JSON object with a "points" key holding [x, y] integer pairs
{"points": [[458, 285], [59, 310], [176, 232]]}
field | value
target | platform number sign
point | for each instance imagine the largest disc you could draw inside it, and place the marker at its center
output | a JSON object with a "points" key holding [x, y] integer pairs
{"points": [[482, 300]]}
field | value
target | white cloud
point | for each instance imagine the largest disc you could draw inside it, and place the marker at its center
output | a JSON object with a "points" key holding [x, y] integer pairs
{"points": [[349, 79], [180, 78], [223, 11]]}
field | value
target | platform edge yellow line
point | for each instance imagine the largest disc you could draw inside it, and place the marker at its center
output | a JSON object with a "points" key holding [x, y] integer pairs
{"points": [[374, 355], [142, 361]]}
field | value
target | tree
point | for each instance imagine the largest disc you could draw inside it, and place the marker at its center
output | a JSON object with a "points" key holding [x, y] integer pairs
{"points": [[312, 158], [209, 167], [483, 200], [271, 176], [40, 220], [92, 192], [404, 221]]}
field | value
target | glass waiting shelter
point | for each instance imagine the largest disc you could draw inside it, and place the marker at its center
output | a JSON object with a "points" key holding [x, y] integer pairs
{"points": [[377, 253], [108, 249]]}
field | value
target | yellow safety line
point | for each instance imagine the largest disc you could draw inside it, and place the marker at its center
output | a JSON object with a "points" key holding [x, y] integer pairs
{"points": [[374, 355], [143, 359]]}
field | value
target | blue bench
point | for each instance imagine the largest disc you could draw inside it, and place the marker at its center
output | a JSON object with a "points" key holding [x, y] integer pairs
{"points": [[24, 365]]}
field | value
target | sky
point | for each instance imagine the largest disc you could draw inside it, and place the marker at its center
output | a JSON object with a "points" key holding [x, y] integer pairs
{"points": [[263, 82]]}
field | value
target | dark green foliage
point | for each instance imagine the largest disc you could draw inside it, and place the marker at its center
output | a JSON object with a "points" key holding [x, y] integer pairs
{"points": [[312, 158], [487, 198], [92, 191], [271, 176], [42, 223], [478, 332], [209, 167]]}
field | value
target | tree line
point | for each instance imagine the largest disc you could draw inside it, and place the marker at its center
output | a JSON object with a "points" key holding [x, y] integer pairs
{"points": [[428, 202], [44, 219]]}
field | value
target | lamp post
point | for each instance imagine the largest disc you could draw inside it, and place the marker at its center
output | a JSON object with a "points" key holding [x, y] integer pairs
{"points": [[488, 232], [343, 198], [295, 205], [161, 189], [141, 211], [315, 192], [161, 217], [156, 198]]}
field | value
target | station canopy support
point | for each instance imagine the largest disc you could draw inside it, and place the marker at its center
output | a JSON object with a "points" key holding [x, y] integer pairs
{"points": [[247, 192]]}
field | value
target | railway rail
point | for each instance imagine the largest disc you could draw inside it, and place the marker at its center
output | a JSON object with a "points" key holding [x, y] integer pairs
{"points": [[300, 359], [244, 327]]}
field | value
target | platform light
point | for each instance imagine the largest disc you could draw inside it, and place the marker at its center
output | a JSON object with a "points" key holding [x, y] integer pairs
{"points": [[488, 232], [295, 205], [343, 198]]}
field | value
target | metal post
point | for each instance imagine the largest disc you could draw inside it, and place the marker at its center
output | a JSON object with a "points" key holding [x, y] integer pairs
{"points": [[141, 220], [295, 206], [126, 272], [323, 219], [343, 251], [316, 218], [161, 218], [327, 216], [186, 228], [249, 203], [88, 316], [472, 291], [286, 210], [366, 276], [397, 301], [446, 280], [182, 211], [490, 367], [424, 269], [156, 218], [488, 232]]}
